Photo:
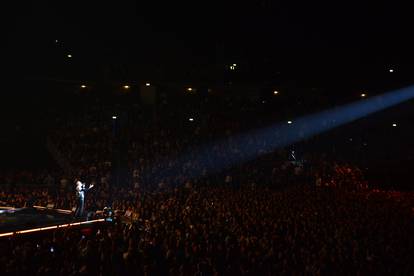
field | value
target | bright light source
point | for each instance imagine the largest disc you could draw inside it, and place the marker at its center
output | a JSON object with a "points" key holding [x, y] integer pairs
{"points": [[363, 95], [232, 67], [234, 64], [56, 41], [114, 117], [189, 89], [148, 84], [275, 92], [391, 70], [191, 119], [394, 124], [289, 122], [69, 55], [50, 227], [83, 86], [126, 86], [263, 102]]}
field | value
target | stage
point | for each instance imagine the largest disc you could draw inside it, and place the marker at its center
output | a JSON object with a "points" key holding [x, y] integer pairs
{"points": [[17, 221]]}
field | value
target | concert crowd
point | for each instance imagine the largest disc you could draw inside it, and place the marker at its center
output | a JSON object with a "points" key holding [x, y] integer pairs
{"points": [[238, 231], [310, 214]]}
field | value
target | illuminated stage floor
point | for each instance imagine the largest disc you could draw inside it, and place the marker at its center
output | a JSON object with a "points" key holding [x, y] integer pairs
{"points": [[27, 220]]}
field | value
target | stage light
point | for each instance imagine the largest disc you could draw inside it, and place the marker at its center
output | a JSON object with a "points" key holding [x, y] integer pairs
{"points": [[280, 135], [275, 92], [114, 117], [363, 95], [69, 55], [234, 64], [394, 124], [126, 86], [6, 234], [391, 70], [232, 67], [83, 86], [191, 119], [56, 41], [50, 227], [148, 84], [189, 89]]}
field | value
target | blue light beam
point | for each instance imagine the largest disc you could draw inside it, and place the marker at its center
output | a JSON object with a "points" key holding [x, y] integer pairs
{"points": [[216, 156]]}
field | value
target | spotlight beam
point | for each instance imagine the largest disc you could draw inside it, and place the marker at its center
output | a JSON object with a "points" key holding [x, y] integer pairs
{"points": [[216, 156]]}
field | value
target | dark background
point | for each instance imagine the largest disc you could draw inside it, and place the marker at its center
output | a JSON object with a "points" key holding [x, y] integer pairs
{"points": [[189, 40], [328, 50]]}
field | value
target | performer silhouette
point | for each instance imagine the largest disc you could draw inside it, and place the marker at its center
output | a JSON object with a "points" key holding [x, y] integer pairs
{"points": [[80, 193]]}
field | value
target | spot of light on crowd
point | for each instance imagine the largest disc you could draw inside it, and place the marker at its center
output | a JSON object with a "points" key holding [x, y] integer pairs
{"points": [[83, 86], [391, 70], [56, 41], [275, 92], [289, 122], [191, 119], [148, 84], [234, 64], [114, 117], [189, 89], [126, 86], [394, 124], [363, 95], [69, 55], [232, 67]]}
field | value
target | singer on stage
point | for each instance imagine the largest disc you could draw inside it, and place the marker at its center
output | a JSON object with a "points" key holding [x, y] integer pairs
{"points": [[80, 193]]}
